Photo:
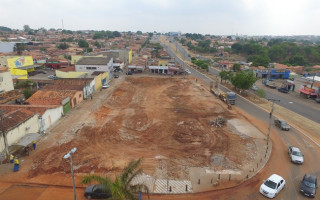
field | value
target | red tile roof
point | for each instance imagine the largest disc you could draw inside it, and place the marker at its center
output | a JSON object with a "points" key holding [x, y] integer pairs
{"points": [[35, 109], [12, 119], [49, 97]]}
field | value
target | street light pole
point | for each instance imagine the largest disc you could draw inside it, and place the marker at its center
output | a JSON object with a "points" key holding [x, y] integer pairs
{"points": [[270, 116], [69, 155]]}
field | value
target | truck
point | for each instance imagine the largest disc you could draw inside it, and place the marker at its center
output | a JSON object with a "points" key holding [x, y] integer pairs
{"points": [[232, 97], [270, 84]]}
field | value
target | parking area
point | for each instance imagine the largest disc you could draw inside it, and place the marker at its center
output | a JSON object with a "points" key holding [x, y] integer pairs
{"points": [[41, 74]]}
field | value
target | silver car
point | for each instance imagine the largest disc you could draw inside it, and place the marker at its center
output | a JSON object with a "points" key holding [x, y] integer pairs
{"points": [[295, 155], [283, 125]]}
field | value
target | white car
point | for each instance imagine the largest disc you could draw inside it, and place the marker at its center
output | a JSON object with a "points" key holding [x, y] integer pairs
{"points": [[105, 86], [187, 71], [272, 186], [295, 155]]}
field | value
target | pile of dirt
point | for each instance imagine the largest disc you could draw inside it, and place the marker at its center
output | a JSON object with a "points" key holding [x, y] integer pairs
{"points": [[164, 120]]}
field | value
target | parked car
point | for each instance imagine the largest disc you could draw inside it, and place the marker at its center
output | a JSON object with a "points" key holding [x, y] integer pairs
{"points": [[272, 186], [283, 125], [42, 72], [129, 73], [255, 88], [97, 192], [317, 100], [53, 77], [105, 86], [284, 90], [295, 155], [187, 71], [308, 185], [116, 76]]}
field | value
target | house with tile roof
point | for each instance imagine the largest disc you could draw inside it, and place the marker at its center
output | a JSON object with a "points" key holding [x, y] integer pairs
{"points": [[17, 124], [47, 114], [83, 86], [66, 98]]}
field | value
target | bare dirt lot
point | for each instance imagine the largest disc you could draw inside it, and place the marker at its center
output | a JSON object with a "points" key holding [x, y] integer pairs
{"points": [[164, 120]]}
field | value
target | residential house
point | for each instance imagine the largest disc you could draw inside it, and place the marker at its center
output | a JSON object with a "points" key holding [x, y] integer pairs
{"points": [[67, 99], [47, 114], [17, 124], [84, 87], [92, 64]]}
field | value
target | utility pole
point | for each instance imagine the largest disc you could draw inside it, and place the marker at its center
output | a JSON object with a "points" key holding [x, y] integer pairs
{"points": [[69, 155], [4, 135], [270, 116]]}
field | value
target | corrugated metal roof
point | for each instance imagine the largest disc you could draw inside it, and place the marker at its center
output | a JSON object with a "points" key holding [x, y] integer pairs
{"points": [[93, 61]]}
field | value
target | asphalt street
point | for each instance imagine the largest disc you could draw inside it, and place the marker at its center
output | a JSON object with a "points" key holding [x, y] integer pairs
{"points": [[285, 101], [292, 173]]}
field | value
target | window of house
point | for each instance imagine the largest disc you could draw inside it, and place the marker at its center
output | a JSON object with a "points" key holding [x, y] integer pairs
{"points": [[79, 95]]}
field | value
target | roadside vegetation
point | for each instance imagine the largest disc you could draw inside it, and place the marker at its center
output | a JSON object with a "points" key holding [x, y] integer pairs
{"points": [[203, 64], [278, 50], [26, 86], [121, 187]]}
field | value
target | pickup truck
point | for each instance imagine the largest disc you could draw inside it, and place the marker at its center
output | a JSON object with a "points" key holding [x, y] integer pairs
{"points": [[271, 85]]}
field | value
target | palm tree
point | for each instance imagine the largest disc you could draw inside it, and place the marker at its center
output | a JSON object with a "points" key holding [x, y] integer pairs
{"points": [[121, 189]]}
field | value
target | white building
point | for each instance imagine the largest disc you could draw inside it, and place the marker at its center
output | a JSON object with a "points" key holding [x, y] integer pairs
{"points": [[6, 83], [92, 64]]}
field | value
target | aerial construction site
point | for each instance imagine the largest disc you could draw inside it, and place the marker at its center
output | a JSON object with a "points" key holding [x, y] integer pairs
{"points": [[179, 128]]}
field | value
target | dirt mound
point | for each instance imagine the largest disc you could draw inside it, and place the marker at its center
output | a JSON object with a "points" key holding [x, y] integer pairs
{"points": [[164, 120]]}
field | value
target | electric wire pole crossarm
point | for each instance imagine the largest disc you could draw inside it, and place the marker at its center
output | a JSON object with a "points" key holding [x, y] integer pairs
{"points": [[270, 117], [69, 155]]}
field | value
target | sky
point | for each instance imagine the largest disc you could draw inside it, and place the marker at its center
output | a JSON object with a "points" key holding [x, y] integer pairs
{"points": [[223, 17]]}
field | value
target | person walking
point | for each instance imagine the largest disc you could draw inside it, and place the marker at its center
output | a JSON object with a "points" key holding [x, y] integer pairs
{"points": [[34, 144], [11, 158], [16, 164]]}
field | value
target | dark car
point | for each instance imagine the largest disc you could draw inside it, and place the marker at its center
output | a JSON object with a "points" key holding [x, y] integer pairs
{"points": [[284, 90], [97, 192], [317, 100], [283, 125], [116, 76], [129, 73], [308, 185]]}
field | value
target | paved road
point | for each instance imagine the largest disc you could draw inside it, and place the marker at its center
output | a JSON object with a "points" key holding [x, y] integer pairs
{"points": [[279, 161], [294, 105]]}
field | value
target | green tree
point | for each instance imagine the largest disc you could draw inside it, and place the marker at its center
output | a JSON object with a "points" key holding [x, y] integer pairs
{"points": [[26, 28], [243, 80], [259, 60], [27, 93], [97, 44], [116, 34], [139, 32], [236, 67], [182, 41], [297, 60], [121, 188], [63, 46], [261, 93], [150, 35], [70, 39], [83, 44], [19, 47], [89, 49], [225, 75]]}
